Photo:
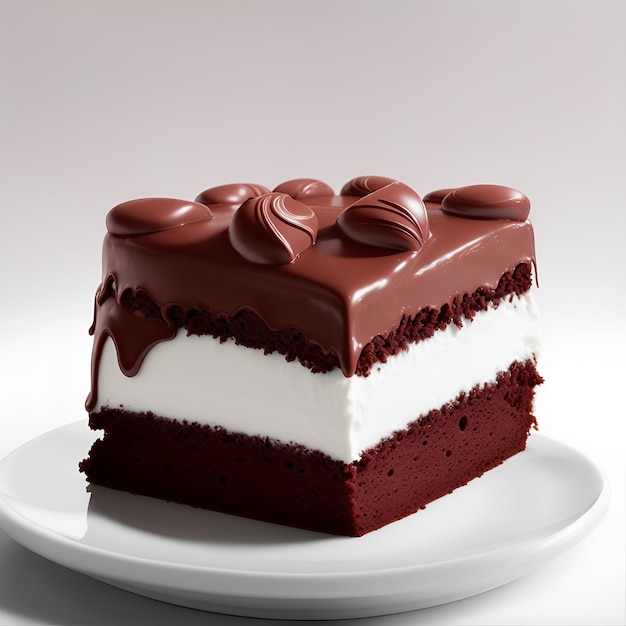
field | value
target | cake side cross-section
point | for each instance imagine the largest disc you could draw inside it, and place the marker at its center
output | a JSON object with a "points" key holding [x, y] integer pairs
{"points": [[321, 360]]}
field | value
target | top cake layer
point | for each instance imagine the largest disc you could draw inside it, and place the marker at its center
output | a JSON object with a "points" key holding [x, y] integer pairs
{"points": [[339, 268]]}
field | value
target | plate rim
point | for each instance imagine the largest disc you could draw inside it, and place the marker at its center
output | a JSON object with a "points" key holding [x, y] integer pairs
{"points": [[66, 550]]}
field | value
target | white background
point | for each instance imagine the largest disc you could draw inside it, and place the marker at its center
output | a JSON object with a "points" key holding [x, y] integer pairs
{"points": [[101, 102]]}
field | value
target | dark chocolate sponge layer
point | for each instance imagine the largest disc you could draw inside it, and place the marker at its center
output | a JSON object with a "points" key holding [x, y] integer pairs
{"points": [[260, 478], [248, 329]]}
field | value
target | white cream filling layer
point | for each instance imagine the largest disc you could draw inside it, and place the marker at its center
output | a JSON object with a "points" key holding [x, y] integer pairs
{"points": [[199, 379]]}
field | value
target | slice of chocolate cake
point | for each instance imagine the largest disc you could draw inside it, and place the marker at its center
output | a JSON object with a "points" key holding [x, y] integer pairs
{"points": [[332, 362]]}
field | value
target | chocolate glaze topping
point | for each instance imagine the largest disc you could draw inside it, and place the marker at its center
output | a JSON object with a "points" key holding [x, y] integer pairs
{"points": [[133, 335], [305, 274]]}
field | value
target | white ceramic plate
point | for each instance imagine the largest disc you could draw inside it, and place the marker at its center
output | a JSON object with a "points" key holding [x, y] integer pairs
{"points": [[494, 530]]}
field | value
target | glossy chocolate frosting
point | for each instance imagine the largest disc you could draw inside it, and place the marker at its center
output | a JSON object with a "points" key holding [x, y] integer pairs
{"points": [[308, 272]]}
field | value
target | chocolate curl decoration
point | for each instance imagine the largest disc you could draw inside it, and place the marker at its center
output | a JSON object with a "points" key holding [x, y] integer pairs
{"points": [[305, 188], [152, 215], [392, 217], [273, 229], [364, 185], [487, 202], [231, 196]]}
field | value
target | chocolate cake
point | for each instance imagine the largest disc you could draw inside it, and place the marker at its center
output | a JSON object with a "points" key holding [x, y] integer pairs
{"points": [[328, 361]]}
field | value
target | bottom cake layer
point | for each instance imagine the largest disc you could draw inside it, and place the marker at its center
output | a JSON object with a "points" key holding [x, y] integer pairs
{"points": [[257, 477]]}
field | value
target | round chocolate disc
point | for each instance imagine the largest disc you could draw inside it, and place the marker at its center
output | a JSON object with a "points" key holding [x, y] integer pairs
{"points": [[152, 215], [487, 202]]}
